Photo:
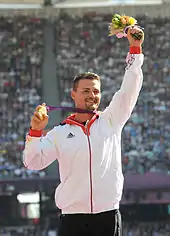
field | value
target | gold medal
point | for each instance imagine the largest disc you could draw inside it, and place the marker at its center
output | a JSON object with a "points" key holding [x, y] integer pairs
{"points": [[42, 112]]}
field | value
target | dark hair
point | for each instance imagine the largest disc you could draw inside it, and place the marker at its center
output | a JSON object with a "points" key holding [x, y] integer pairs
{"points": [[86, 75]]}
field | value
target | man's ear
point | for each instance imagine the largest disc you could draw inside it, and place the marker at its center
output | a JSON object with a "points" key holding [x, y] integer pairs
{"points": [[73, 94]]}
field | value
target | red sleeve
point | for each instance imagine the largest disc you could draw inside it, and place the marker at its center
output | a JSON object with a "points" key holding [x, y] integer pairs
{"points": [[135, 50], [35, 133]]}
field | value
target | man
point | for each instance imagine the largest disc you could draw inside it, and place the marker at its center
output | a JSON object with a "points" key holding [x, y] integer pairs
{"points": [[88, 149]]}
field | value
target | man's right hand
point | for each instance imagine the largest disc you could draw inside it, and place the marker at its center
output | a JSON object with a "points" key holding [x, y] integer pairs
{"points": [[38, 121]]}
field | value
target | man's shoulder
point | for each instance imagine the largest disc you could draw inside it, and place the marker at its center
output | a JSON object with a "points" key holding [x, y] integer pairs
{"points": [[56, 128]]}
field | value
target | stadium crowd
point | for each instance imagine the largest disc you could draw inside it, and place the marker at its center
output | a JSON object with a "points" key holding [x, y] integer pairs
{"points": [[26, 231], [21, 48], [83, 45], [146, 229], [18, 231]]}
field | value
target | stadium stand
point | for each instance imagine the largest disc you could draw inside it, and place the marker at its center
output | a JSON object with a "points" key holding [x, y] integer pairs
{"points": [[145, 137], [21, 50]]}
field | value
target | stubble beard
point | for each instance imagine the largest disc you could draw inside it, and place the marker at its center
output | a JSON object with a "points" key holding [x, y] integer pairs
{"points": [[91, 107]]}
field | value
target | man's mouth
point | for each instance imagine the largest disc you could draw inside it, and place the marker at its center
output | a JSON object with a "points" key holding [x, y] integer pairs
{"points": [[91, 101]]}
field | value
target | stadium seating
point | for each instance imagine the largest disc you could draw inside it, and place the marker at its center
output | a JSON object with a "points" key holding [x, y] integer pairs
{"points": [[83, 45], [21, 47]]}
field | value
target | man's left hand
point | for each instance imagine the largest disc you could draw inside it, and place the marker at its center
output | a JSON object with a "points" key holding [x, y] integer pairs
{"points": [[132, 41]]}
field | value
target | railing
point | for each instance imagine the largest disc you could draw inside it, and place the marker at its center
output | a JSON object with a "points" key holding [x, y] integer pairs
{"points": [[161, 10]]}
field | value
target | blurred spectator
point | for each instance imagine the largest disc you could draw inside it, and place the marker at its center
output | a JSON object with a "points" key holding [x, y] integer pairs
{"points": [[21, 45], [83, 45], [146, 229], [18, 231]]}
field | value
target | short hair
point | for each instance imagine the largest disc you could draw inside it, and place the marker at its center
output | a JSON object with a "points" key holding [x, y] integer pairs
{"points": [[86, 75]]}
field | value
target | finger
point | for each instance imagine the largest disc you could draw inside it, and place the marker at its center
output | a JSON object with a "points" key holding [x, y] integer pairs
{"points": [[136, 30], [130, 31], [45, 117], [38, 115], [37, 118], [136, 27]]}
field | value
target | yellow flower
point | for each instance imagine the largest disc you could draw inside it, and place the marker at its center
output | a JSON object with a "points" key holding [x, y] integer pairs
{"points": [[132, 21]]}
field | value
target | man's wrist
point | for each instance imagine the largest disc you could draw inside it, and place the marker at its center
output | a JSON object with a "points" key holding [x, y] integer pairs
{"points": [[35, 133], [135, 49]]}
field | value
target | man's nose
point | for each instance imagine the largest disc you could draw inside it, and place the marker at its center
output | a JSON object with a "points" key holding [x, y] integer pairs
{"points": [[92, 94]]}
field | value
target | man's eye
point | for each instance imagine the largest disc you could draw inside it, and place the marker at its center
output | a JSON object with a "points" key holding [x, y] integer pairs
{"points": [[86, 91]]}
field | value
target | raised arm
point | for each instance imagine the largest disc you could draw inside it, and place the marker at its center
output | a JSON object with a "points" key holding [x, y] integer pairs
{"points": [[40, 151], [123, 102]]}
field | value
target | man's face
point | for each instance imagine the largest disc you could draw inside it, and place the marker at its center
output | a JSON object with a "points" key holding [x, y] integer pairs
{"points": [[88, 95]]}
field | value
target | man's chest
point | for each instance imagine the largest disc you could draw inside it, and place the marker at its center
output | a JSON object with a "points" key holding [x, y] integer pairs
{"points": [[74, 142]]}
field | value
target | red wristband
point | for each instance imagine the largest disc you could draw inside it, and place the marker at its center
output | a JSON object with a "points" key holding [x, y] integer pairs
{"points": [[135, 50], [35, 133]]}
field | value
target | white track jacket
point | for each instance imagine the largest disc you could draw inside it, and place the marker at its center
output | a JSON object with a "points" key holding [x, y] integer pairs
{"points": [[89, 156]]}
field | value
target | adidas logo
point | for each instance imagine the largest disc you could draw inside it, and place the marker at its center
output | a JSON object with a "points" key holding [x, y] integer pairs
{"points": [[70, 135]]}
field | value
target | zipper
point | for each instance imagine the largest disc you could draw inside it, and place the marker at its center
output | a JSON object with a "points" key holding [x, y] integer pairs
{"points": [[90, 167]]}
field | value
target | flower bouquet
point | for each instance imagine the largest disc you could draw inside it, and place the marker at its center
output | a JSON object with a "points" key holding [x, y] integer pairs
{"points": [[120, 24]]}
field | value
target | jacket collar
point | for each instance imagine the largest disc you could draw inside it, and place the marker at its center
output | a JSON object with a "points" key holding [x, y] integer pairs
{"points": [[86, 129]]}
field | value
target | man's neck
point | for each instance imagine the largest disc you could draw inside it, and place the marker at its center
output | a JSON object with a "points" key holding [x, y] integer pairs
{"points": [[81, 118]]}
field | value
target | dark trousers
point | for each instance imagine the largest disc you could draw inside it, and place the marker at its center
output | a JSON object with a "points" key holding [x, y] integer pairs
{"points": [[100, 224]]}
